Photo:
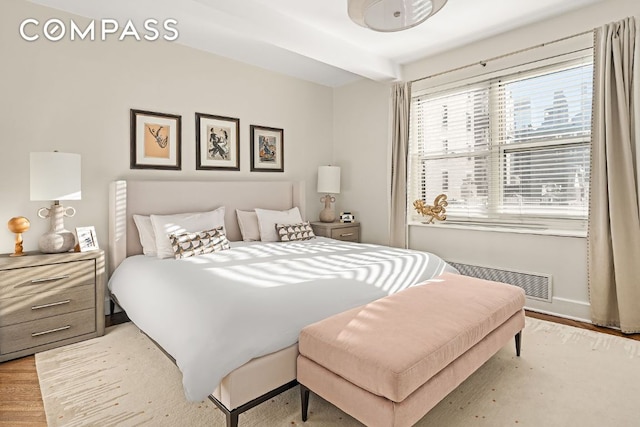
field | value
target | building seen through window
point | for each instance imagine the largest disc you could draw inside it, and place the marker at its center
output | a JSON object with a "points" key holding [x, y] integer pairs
{"points": [[515, 146]]}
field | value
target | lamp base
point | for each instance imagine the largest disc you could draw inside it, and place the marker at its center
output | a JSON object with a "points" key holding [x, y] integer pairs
{"points": [[53, 242], [327, 214], [57, 239]]}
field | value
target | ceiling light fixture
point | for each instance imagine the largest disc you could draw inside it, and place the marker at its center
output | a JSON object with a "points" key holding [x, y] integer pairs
{"points": [[392, 15]]}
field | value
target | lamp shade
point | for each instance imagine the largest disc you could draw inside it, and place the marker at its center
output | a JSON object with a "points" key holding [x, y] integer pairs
{"points": [[329, 179], [392, 15], [55, 176]]}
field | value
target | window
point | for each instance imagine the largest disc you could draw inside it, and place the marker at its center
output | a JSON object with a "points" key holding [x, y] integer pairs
{"points": [[515, 148]]}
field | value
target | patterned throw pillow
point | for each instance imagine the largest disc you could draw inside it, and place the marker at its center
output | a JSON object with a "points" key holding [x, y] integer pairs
{"points": [[291, 232], [201, 242]]}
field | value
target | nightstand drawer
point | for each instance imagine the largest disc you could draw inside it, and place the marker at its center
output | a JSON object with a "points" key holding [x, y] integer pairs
{"points": [[350, 234], [39, 332], [35, 280], [46, 304]]}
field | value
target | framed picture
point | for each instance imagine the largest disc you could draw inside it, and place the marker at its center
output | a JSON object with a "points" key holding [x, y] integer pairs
{"points": [[87, 239], [267, 149], [155, 140], [217, 142], [347, 217]]}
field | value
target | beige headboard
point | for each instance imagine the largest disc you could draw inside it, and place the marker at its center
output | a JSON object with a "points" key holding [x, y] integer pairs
{"points": [[127, 198]]}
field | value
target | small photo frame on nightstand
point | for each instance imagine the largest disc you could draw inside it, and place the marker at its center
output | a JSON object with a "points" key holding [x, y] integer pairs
{"points": [[87, 239], [347, 217]]}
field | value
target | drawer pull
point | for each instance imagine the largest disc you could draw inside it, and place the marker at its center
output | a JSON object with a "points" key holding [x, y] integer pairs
{"points": [[50, 279], [50, 331], [346, 234], [53, 304]]}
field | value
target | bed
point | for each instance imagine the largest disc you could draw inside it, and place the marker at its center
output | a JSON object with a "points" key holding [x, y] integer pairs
{"points": [[230, 320]]}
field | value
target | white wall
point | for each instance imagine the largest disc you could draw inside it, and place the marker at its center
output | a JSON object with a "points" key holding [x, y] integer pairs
{"points": [[562, 257], [361, 128], [75, 97]]}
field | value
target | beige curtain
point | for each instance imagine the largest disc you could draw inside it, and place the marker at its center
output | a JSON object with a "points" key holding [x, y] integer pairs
{"points": [[614, 219], [401, 101]]}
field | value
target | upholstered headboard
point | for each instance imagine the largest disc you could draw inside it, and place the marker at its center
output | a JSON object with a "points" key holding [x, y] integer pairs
{"points": [[127, 198]]}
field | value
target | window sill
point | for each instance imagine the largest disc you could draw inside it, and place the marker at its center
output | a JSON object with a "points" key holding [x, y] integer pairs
{"points": [[516, 229]]}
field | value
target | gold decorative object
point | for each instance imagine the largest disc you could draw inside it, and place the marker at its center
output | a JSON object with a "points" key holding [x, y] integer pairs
{"points": [[18, 225], [437, 211]]}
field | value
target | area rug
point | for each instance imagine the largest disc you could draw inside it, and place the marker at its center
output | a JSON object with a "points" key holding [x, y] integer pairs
{"points": [[565, 377]]}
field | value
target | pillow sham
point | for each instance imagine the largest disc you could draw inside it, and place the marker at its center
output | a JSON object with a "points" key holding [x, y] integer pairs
{"points": [[267, 220], [248, 223], [293, 232], [186, 245], [146, 234], [165, 225]]}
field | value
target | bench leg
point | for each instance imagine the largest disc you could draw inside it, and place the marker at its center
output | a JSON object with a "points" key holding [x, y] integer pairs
{"points": [[304, 397], [518, 340], [232, 418]]}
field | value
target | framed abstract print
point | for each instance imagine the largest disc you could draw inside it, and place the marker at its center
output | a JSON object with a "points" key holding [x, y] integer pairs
{"points": [[267, 149], [217, 142]]}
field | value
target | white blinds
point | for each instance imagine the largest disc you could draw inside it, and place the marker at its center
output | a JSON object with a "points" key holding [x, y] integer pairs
{"points": [[511, 149]]}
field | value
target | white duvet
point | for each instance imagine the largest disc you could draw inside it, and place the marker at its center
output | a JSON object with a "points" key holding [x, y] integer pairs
{"points": [[215, 312]]}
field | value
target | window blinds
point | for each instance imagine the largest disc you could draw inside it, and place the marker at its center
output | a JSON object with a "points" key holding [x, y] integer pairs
{"points": [[510, 149]]}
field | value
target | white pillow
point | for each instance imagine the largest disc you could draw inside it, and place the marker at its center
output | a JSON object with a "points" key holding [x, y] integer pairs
{"points": [[147, 236], [267, 220], [248, 223], [165, 225]]}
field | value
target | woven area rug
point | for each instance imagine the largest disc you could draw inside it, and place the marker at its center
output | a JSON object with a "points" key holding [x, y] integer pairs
{"points": [[565, 377]]}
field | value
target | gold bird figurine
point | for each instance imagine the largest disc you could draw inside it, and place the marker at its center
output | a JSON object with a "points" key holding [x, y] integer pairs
{"points": [[436, 211]]}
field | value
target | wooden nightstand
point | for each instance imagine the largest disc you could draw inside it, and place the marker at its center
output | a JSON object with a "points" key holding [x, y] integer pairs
{"points": [[50, 300], [349, 232]]}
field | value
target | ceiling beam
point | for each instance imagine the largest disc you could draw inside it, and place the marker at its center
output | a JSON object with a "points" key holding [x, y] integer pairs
{"points": [[243, 29], [269, 26]]}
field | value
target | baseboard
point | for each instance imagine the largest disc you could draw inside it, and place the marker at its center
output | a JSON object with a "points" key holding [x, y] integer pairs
{"points": [[562, 307]]}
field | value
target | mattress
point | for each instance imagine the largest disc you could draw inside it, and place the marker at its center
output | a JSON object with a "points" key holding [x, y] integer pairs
{"points": [[213, 313]]}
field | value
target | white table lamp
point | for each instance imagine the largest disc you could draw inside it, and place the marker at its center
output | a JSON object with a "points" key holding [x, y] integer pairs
{"points": [[55, 176], [328, 183]]}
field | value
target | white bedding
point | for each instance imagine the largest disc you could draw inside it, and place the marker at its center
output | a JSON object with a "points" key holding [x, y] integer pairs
{"points": [[215, 312]]}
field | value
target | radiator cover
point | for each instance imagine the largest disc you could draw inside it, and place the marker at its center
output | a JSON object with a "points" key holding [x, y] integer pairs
{"points": [[535, 285]]}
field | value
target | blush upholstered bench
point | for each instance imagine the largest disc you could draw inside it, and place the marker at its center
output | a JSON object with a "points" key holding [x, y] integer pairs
{"points": [[389, 362]]}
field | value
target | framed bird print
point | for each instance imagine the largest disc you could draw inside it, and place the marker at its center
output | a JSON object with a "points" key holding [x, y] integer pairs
{"points": [[156, 140]]}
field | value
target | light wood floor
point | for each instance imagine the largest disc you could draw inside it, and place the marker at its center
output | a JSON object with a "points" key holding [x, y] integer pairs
{"points": [[20, 399], [21, 402]]}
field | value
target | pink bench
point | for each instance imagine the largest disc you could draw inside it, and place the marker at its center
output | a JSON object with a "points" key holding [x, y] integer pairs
{"points": [[389, 362]]}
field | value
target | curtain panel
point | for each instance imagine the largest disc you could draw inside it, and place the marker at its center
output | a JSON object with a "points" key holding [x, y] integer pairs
{"points": [[614, 212], [401, 101]]}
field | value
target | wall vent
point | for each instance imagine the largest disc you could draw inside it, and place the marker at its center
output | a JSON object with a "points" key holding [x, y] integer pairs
{"points": [[535, 285]]}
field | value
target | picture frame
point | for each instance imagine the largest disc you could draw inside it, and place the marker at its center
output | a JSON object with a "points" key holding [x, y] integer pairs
{"points": [[347, 217], [217, 142], [156, 140], [87, 238], [267, 149]]}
